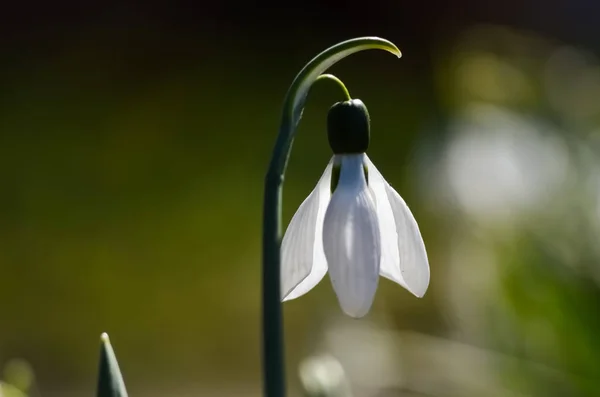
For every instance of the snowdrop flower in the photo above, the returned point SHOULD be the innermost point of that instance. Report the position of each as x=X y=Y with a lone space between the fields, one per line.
x=353 y=224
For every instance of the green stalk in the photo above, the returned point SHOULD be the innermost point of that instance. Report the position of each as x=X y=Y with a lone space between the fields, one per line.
x=293 y=105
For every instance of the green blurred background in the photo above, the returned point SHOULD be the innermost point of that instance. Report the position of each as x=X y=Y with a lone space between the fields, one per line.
x=134 y=138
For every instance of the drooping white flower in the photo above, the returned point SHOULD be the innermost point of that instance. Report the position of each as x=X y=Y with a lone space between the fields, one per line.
x=355 y=225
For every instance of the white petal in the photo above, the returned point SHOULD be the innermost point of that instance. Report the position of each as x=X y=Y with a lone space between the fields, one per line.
x=390 y=258
x=404 y=258
x=351 y=239
x=303 y=262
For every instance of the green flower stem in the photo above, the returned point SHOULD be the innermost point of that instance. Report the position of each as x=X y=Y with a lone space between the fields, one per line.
x=336 y=80
x=273 y=344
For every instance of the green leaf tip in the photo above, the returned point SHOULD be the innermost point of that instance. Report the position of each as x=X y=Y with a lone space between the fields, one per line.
x=110 y=380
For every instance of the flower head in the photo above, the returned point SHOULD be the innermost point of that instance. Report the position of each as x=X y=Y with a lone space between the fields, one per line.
x=353 y=224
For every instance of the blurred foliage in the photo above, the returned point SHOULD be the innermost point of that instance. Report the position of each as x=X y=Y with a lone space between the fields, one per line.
x=528 y=197
x=17 y=379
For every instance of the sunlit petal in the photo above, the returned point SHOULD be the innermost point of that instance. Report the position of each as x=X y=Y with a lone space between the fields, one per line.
x=404 y=258
x=303 y=262
x=414 y=264
x=390 y=258
x=351 y=239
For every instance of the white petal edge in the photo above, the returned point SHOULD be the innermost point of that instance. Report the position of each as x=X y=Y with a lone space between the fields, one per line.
x=351 y=239
x=404 y=257
x=303 y=262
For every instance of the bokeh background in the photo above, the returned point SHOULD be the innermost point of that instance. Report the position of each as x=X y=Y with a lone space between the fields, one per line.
x=134 y=139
